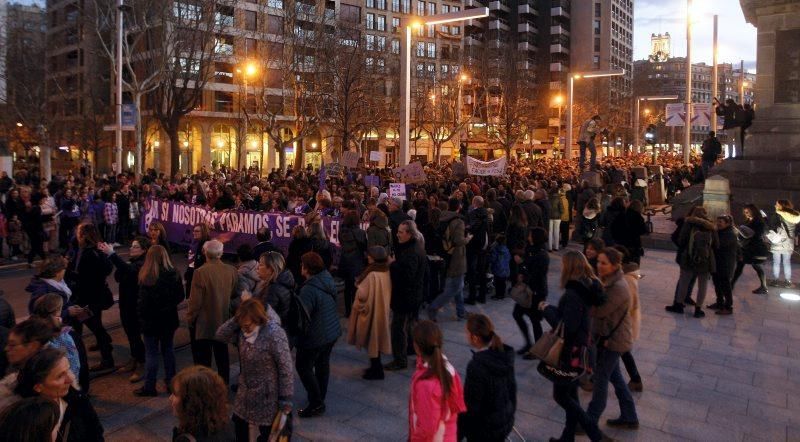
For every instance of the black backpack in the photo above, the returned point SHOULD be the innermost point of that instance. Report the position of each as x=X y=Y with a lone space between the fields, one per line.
x=589 y=228
x=298 y=319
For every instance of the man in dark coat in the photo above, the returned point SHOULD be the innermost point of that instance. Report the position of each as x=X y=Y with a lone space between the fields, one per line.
x=727 y=255
x=396 y=216
x=712 y=149
x=478 y=228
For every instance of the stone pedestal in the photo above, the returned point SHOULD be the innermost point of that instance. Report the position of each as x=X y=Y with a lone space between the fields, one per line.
x=770 y=168
x=717 y=196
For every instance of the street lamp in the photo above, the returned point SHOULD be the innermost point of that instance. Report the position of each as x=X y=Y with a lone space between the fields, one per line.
x=638 y=100
x=558 y=100
x=249 y=69
x=405 y=68
x=571 y=85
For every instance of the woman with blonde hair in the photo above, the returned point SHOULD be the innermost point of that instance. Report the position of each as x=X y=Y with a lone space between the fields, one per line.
x=266 y=381
x=783 y=229
x=369 y=319
x=275 y=285
x=160 y=292
x=582 y=291
x=199 y=400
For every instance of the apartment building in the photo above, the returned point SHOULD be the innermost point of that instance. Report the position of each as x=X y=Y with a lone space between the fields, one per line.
x=3 y=39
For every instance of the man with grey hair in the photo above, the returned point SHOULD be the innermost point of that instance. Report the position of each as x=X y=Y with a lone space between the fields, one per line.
x=214 y=285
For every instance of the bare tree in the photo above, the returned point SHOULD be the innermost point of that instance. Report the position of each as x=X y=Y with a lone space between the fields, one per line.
x=438 y=108
x=511 y=106
x=185 y=44
x=142 y=52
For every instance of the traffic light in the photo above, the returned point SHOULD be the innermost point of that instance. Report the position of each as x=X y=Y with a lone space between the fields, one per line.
x=650 y=135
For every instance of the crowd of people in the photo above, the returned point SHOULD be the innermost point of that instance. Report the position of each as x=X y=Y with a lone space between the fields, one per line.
x=401 y=263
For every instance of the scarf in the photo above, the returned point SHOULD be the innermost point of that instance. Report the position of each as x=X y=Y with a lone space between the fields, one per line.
x=374 y=267
x=61 y=286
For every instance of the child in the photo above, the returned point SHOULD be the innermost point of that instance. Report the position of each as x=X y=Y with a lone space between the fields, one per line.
x=15 y=236
x=500 y=264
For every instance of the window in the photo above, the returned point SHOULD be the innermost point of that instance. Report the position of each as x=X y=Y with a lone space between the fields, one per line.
x=431 y=70
x=223 y=45
x=420 y=8
x=420 y=49
x=395 y=46
x=223 y=101
x=597 y=27
x=395 y=24
x=370 y=20
x=431 y=8
x=445 y=52
x=431 y=31
x=596 y=61
x=381 y=43
x=395 y=5
x=455 y=30
x=405 y=6
x=250 y=46
x=597 y=44
x=381 y=22
x=431 y=50
x=189 y=66
x=370 y=42
x=370 y=3
x=420 y=69
x=275 y=24
x=250 y=20
x=381 y=4
x=224 y=16
x=350 y=14
x=597 y=8
x=223 y=73
x=277 y=4
x=445 y=9
x=186 y=11
x=445 y=68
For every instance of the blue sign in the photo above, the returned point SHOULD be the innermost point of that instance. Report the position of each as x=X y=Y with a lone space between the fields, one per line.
x=128 y=115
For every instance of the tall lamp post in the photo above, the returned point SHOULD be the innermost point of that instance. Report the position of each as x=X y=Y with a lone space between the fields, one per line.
x=405 y=68
x=559 y=102
x=687 y=136
x=248 y=70
x=571 y=85
x=118 y=128
x=636 y=132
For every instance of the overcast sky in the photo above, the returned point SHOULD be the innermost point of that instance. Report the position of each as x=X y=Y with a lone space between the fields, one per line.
x=737 y=39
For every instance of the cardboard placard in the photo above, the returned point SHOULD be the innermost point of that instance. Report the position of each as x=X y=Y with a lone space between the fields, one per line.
x=375 y=156
x=372 y=180
x=397 y=190
x=334 y=170
x=410 y=174
x=349 y=159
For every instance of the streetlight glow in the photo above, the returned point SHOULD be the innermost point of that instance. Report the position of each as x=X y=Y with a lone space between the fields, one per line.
x=558 y=100
x=19 y=124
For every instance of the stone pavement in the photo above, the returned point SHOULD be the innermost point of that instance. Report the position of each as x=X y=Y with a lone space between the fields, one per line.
x=734 y=378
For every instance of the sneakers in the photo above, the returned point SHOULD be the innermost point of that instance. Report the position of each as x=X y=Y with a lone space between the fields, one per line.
x=134 y=378
x=761 y=291
x=619 y=423
x=698 y=313
x=635 y=386
x=772 y=283
x=674 y=308
x=786 y=284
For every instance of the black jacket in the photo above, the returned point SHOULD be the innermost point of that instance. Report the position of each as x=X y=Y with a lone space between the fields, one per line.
x=158 y=304
x=534 y=214
x=395 y=218
x=573 y=311
x=490 y=393
x=628 y=230
x=127 y=275
x=80 y=423
x=755 y=249
x=727 y=255
x=478 y=226
x=711 y=150
x=408 y=277
x=536 y=262
x=86 y=276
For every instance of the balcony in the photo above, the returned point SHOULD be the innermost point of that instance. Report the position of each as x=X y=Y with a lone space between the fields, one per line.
x=472 y=4
x=558 y=30
x=476 y=23
x=555 y=85
x=526 y=27
x=494 y=44
x=499 y=24
x=557 y=67
x=559 y=49
x=559 y=12
x=526 y=46
x=527 y=10
x=498 y=5
x=472 y=41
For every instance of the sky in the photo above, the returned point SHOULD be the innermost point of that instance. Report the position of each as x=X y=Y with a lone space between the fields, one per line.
x=736 y=38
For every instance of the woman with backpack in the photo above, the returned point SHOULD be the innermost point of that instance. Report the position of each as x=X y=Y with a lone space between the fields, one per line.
x=754 y=249
x=697 y=242
x=436 y=396
x=490 y=389
x=353 y=241
x=783 y=227
x=369 y=322
x=582 y=291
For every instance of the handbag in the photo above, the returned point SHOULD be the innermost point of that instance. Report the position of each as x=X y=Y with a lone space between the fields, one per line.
x=774 y=237
x=602 y=341
x=576 y=369
x=548 y=348
x=281 y=430
x=522 y=295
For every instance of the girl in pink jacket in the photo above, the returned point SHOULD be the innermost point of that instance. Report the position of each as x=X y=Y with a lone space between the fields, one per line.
x=436 y=396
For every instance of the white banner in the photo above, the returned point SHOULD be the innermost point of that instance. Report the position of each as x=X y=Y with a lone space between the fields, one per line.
x=349 y=159
x=375 y=155
x=676 y=114
x=701 y=114
x=486 y=168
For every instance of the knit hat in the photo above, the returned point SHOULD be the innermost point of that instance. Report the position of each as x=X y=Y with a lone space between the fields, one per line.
x=378 y=254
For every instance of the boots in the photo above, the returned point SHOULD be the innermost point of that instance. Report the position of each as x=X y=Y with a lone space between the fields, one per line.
x=375 y=370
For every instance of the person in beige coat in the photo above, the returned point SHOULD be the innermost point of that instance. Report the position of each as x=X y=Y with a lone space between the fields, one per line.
x=612 y=328
x=214 y=285
x=632 y=277
x=369 y=320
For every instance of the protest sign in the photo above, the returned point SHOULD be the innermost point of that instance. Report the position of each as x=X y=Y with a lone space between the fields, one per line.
x=372 y=180
x=397 y=190
x=676 y=114
x=350 y=159
x=375 y=155
x=410 y=174
x=334 y=170
x=486 y=168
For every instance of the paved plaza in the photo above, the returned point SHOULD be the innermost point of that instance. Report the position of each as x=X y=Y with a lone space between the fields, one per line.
x=733 y=378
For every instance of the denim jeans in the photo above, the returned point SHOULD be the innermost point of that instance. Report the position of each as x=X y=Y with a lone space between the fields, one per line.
x=592 y=152
x=787 y=265
x=566 y=396
x=453 y=289
x=734 y=135
x=152 y=346
x=607 y=370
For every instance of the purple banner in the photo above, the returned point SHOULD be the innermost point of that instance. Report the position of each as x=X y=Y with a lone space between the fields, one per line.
x=232 y=227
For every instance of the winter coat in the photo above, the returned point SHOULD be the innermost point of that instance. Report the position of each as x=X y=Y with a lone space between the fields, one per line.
x=158 y=304
x=544 y=205
x=754 y=248
x=38 y=287
x=248 y=276
x=516 y=238
x=566 y=214
x=369 y=322
x=80 y=419
x=277 y=294
x=628 y=229
x=786 y=225
x=455 y=241
x=534 y=213
x=408 y=273
x=64 y=342
x=536 y=262
x=606 y=221
x=615 y=309
x=428 y=420
x=632 y=276
x=86 y=275
x=127 y=275
x=318 y=295
x=490 y=394
x=213 y=287
x=557 y=206
x=728 y=253
x=378 y=233
x=266 y=376
x=479 y=229
x=297 y=248
x=395 y=219
x=573 y=311
x=695 y=224
x=500 y=260
x=353 y=242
